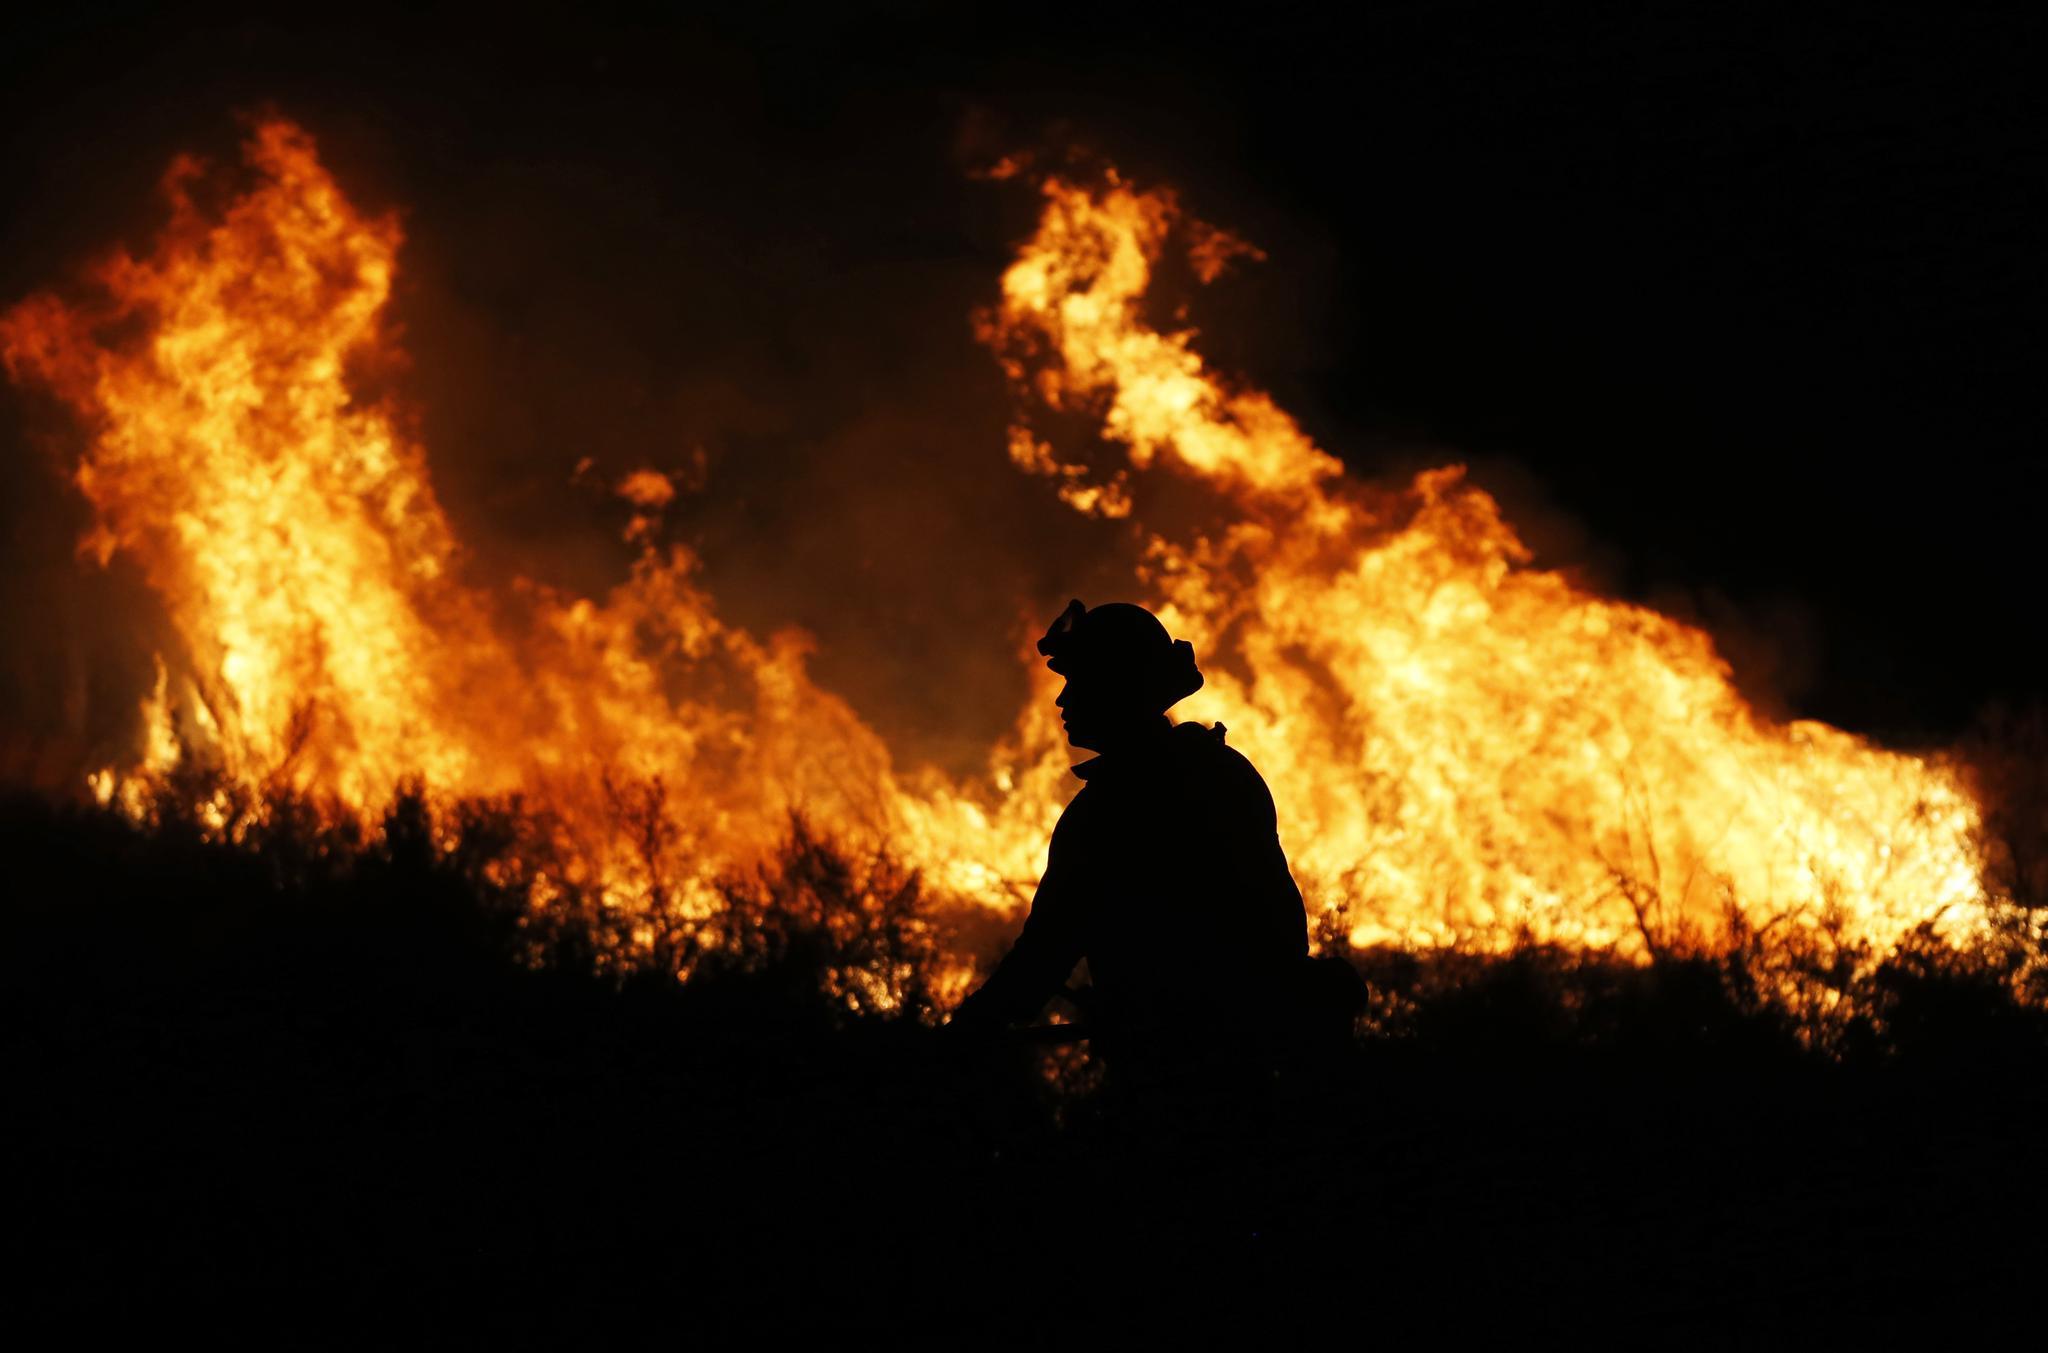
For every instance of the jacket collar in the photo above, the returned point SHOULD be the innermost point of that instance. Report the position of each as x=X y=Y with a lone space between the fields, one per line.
x=1147 y=748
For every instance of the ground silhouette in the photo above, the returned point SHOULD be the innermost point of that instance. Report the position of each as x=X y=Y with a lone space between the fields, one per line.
x=320 y=1086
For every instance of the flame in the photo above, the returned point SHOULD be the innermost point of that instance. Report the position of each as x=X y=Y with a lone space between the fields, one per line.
x=332 y=649
x=1463 y=748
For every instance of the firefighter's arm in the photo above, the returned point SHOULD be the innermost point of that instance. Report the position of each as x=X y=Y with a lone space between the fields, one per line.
x=1263 y=869
x=1045 y=952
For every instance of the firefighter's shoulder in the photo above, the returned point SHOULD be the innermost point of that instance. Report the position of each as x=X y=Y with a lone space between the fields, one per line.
x=1225 y=767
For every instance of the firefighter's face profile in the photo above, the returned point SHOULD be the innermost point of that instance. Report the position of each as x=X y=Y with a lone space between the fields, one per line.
x=1093 y=710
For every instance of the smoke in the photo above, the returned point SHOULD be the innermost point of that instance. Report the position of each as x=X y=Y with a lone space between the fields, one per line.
x=760 y=242
x=806 y=357
x=796 y=337
x=793 y=343
x=691 y=280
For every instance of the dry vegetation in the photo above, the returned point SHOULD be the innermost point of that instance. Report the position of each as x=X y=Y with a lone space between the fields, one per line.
x=314 y=1061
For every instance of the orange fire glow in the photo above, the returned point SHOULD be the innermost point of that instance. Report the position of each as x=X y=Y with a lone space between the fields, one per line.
x=1463 y=747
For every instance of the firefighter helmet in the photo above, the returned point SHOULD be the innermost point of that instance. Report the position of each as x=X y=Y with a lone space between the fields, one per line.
x=1124 y=646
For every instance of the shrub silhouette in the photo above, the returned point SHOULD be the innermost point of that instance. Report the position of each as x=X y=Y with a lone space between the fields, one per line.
x=311 y=1061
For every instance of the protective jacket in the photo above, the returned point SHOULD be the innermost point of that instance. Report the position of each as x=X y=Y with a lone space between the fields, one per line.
x=1166 y=874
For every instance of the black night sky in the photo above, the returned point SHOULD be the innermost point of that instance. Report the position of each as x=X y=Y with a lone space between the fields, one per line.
x=1737 y=306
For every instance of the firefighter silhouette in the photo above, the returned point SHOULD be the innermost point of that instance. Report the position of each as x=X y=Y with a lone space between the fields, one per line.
x=1165 y=874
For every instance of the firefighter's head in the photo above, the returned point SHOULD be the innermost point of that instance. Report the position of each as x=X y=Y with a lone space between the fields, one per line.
x=1123 y=670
